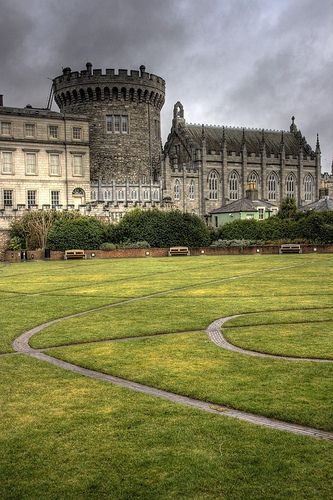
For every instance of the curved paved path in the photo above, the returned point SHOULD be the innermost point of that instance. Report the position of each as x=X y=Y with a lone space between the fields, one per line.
x=21 y=345
x=215 y=334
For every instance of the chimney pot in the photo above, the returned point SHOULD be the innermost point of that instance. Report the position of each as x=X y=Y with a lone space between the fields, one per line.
x=1 y=100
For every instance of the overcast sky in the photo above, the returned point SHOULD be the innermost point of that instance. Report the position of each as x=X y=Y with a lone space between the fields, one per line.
x=251 y=63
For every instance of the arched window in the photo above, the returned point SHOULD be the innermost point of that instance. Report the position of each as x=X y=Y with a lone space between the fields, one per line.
x=90 y=94
x=272 y=187
x=82 y=95
x=253 y=180
x=308 y=187
x=106 y=93
x=98 y=93
x=213 y=185
x=134 y=194
x=290 y=184
x=155 y=195
x=120 y=194
x=191 y=190
x=146 y=195
x=144 y=179
x=233 y=186
x=177 y=189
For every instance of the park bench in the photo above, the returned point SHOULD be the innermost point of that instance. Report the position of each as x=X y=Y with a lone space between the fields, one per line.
x=175 y=251
x=290 y=248
x=74 y=254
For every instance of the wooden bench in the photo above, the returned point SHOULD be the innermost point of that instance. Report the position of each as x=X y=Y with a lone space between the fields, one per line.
x=175 y=251
x=290 y=248
x=74 y=254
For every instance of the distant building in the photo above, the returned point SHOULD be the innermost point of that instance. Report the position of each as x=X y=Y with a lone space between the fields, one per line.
x=248 y=208
x=206 y=167
x=44 y=159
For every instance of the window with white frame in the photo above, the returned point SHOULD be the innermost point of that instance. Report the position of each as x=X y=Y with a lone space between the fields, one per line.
x=55 y=198
x=233 y=186
x=31 y=163
x=77 y=133
x=117 y=124
x=77 y=165
x=146 y=195
x=191 y=190
x=93 y=195
x=308 y=187
x=54 y=160
x=8 y=197
x=124 y=124
x=177 y=189
x=261 y=213
x=272 y=187
x=53 y=131
x=213 y=185
x=290 y=184
x=6 y=128
x=7 y=162
x=30 y=130
x=31 y=197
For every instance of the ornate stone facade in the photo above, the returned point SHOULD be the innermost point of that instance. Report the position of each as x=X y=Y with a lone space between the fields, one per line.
x=206 y=167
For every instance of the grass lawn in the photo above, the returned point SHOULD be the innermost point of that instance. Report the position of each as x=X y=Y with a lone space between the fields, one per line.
x=191 y=364
x=285 y=333
x=66 y=436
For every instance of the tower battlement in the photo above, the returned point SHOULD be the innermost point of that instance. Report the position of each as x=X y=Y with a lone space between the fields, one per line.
x=112 y=85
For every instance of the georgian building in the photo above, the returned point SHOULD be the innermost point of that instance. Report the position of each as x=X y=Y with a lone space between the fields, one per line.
x=206 y=167
x=44 y=160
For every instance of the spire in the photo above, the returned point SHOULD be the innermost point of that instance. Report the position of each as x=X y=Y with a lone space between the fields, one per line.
x=263 y=141
x=243 y=139
x=293 y=127
x=318 y=145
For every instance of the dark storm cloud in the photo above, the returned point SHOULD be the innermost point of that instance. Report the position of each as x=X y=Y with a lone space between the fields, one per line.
x=239 y=62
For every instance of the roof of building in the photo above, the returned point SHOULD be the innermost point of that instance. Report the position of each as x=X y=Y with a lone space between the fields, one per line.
x=31 y=112
x=325 y=204
x=253 y=138
x=244 y=205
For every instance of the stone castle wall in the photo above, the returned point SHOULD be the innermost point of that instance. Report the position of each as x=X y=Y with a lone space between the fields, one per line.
x=138 y=98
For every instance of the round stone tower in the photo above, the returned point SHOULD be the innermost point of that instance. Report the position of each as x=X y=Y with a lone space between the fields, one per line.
x=123 y=109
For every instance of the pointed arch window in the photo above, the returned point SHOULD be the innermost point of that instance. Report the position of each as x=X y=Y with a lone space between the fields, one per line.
x=308 y=187
x=177 y=189
x=290 y=184
x=272 y=187
x=191 y=190
x=233 y=186
x=253 y=180
x=213 y=185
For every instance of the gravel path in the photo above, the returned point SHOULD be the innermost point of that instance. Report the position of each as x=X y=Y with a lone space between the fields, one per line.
x=216 y=335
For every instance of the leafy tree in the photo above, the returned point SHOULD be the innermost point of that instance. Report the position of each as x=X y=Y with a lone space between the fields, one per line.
x=79 y=232
x=288 y=208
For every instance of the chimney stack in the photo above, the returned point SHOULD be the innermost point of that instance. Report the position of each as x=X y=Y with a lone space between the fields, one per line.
x=1 y=100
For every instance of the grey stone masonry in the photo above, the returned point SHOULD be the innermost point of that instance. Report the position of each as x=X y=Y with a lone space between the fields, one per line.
x=123 y=110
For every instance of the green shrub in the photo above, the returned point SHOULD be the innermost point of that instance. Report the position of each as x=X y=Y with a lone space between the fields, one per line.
x=108 y=246
x=79 y=232
x=15 y=243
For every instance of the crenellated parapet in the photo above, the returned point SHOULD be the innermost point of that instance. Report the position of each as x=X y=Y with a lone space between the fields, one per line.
x=75 y=87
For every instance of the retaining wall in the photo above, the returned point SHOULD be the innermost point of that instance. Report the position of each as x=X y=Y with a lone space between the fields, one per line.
x=15 y=256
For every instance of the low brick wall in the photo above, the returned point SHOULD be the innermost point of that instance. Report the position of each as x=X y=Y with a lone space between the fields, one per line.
x=15 y=256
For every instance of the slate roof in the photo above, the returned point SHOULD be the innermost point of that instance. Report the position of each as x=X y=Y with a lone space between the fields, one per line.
x=323 y=205
x=243 y=205
x=253 y=139
x=38 y=113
